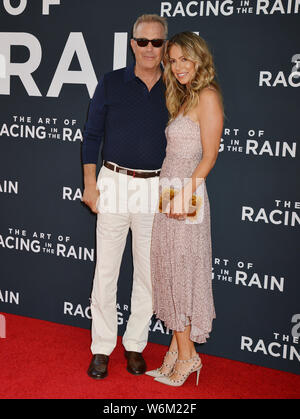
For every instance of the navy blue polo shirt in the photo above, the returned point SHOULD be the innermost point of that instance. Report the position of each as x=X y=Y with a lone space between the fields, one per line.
x=130 y=121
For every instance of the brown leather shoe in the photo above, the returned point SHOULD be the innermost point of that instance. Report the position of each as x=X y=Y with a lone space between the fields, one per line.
x=135 y=362
x=98 y=366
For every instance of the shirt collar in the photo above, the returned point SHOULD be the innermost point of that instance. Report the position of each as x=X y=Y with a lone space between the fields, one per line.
x=130 y=75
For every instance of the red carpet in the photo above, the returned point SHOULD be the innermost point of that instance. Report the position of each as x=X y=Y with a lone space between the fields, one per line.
x=46 y=360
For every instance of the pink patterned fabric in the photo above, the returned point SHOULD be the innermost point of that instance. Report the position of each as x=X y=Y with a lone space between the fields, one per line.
x=181 y=253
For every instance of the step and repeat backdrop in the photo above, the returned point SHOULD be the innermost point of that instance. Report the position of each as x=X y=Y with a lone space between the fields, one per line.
x=52 y=52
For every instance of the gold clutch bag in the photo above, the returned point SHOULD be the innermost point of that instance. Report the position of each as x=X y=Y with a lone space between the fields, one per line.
x=169 y=193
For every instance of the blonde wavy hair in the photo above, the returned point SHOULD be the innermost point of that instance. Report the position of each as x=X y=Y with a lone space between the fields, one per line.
x=195 y=49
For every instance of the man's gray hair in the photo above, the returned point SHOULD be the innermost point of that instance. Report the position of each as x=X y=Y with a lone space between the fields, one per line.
x=148 y=18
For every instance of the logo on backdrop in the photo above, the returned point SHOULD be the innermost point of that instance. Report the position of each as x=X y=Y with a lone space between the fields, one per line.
x=284 y=213
x=228 y=7
x=44 y=243
x=277 y=345
x=41 y=128
x=18 y=9
x=9 y=297
x=9 y=186
x=244 y=273
x=75 y=44
x=84 y=311
x=255 y=142
x=71 y=194
x=281 y=78
x=296 y=328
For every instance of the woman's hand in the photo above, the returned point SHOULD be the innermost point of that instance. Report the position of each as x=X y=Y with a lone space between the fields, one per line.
x=179 y=206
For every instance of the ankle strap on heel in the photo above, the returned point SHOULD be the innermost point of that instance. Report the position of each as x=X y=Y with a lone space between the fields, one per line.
x=195 y=358
x=184 y=361
x=165 y=364
x=172 y=352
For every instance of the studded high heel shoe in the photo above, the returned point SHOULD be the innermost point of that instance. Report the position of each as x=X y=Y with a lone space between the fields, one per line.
x=157 y=372
x=194 y=368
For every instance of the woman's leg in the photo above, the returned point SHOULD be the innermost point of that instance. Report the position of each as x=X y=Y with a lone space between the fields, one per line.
x=186 y=351
x=173 y=345
x=186 y=347
x=170 y=356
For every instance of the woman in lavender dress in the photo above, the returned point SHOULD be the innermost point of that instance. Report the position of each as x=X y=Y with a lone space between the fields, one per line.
x=181 y=252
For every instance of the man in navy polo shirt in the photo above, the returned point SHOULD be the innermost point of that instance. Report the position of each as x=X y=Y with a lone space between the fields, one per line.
x=129 y=115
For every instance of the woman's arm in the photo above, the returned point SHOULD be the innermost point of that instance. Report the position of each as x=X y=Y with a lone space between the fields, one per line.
x=209 y=114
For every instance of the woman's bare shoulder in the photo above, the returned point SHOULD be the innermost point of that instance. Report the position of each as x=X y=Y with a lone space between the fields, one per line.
x=208 y=95
x=209 y=91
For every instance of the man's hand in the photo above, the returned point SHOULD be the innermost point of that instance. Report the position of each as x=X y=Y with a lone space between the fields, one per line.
x=91 y=192
x=90 y=197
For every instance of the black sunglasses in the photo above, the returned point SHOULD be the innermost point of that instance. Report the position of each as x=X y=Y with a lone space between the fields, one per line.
x=143 y=42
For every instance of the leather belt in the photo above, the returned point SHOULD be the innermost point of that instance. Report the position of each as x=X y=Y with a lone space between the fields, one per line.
x=133 y=173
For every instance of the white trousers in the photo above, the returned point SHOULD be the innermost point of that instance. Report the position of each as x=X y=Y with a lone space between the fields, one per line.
x=136 y=201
